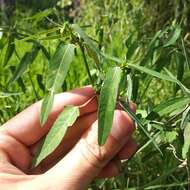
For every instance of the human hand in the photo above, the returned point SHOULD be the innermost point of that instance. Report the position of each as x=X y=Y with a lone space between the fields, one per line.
x=77 y=160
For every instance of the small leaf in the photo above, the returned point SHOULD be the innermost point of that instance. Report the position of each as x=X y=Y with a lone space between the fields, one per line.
x=185 y=54
x=126 y=108
x=46 y=108
x=45 y=52
x=186 y=145
x=40 y=82
x=167 y=107
x=92 y=50
x=107 y=103
x=19 y=80
x=183 y=88
x=152 y=72
x=135 y=86
x=174 y=37
x=168 y=136
x=185 y=118
x=56 y=133
x=59 y=66
x=9 y=52
x=27 y=59
x=129 y=87
x=180 y=63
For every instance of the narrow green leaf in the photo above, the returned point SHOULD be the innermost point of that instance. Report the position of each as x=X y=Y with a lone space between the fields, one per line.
x=180 y=63
x=152 y=72
x=186 y=145
x=167 y=107
x=129 y=87
x=19 y=80
x=39 y=78
x=39 y=15
x=92 y=50
x=9 y=52
x=183 y=88
x=56 y=133
x=107 y=103
x=135 y=86
x=45 y=52
x=175 y=37
x=185 y=118
x=46 y=108
x=59 y=66
x=126 y=108
x=27 y=59
x=36 y=36
x=185 y=54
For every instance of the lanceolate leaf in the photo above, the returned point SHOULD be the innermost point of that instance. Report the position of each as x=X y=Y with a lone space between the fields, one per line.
x=19 y=80
x=185 y=118
x=9 y=51
x=186 y=145
x=174 y=37
x=46 y=107
x=92 y=50
x=126 y=108
x=168 y=107
x=27 y=59
x=152 y=72
x=59 y=66
x=45 y=52
x=56 y=133
x=107 y=103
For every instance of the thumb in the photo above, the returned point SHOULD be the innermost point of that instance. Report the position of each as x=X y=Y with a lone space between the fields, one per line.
x=84 y=162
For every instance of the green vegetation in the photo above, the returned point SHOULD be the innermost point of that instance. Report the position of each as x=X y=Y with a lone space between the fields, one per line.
x=148 y=41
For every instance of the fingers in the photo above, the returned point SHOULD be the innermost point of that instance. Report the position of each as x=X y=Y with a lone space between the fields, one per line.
x=87 y=159
x=113 y=168
x=71 y=137
x=25 y=127
x=128 y=150
x=16 y=152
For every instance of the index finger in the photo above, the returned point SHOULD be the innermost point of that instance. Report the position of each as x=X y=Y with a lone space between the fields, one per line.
x=25 y=127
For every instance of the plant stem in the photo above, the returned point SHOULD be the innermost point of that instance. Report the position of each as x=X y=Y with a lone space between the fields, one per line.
x=86 y=64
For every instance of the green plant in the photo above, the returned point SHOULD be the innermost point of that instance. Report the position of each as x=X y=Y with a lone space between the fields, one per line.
x=141 y=53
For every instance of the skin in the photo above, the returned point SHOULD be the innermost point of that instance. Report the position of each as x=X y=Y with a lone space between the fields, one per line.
x=77 y=161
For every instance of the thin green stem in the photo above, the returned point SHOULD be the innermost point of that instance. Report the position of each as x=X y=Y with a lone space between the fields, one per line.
x=86 y=64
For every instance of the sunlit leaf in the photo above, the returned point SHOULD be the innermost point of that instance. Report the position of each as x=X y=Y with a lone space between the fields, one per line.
x=168 y=106
x=19 y=80
x=27 y=59
x=46 y=107
x=92 y=50
x=56 y=133
x=174 y=37
x=59 y=66
x=10 y=50
x=152 y=72
x=185 y=118
x=186 y=145
x=107 y=103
